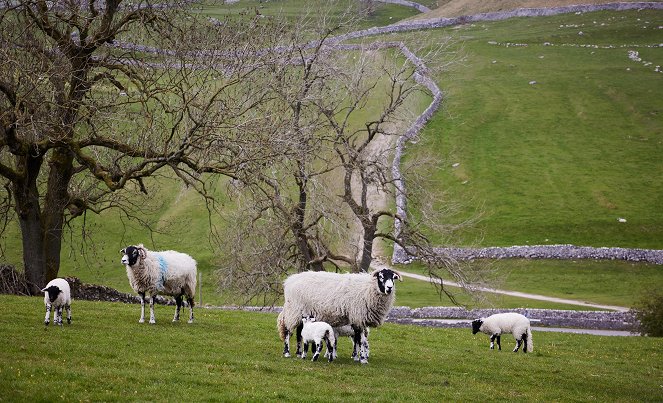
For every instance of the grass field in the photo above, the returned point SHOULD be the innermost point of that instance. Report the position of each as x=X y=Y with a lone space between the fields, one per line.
x=105 y=355
x=562 y=159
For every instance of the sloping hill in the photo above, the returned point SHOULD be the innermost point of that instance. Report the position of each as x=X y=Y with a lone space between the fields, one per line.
x=456 y=8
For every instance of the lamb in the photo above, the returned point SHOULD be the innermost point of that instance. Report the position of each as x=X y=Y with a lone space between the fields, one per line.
x=511 y=322
x=167 y=272
x=317 y=332
x=57 y=294
x=356 y=299
x=348 y=331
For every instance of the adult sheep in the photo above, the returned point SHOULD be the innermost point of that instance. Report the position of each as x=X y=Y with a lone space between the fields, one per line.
x=166 y=272
x=510 y=322
x=57 y=295
x=357 y=299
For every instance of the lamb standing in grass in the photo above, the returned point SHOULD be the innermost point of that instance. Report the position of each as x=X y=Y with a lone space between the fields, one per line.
x=57 y=294
x=510 y=322
x=318 y=332
x=168 y=272
x=357 y=299
x=348 y=331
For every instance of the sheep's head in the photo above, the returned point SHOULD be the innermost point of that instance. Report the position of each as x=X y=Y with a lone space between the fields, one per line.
x=308 y=318
x=386 y=279
x=53 y=292
x=131 y=254
x=476 y=325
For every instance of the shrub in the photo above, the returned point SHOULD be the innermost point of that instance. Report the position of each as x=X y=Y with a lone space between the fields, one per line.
x=649 y=312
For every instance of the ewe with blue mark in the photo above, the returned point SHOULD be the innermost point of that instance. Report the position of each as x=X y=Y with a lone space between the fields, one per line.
x=167 y=272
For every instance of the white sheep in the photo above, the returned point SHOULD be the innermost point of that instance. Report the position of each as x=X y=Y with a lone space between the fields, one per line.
x=317 y=332
x=166 y=272
x=57 y=294
x=510 y=322
x=356 y=299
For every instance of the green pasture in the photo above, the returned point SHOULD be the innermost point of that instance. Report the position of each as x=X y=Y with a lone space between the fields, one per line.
x=105 y=355
x=384 y=14
x=562 y=159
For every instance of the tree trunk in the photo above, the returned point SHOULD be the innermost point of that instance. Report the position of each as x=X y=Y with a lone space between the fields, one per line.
x=41 y=230
x=367 y=247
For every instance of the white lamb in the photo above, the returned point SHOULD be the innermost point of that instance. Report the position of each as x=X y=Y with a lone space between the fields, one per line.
x=356 y=299
x=511 y=322
x=167 y=272
x=57 y=294
x=317 y=332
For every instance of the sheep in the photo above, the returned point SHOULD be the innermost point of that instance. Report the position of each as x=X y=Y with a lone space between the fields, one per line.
x=356 y=299
x=348 y=331
x=166 y=272
x=317 y=332
x=57 y=294
x=509 y=322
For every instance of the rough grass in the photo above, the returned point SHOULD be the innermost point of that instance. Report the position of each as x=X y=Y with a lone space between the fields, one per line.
x=561 y=160
x=105 y=355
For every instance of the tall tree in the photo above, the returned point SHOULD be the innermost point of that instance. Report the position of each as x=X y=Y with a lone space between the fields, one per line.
x=85 y=118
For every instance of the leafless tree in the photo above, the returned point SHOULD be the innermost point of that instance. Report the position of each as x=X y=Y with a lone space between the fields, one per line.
x=86 y=118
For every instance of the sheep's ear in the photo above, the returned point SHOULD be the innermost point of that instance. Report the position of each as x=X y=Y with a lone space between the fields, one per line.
x=43 y=290
x=398 y=275
x=375 y=272
x=123 y=251
x=141 y=252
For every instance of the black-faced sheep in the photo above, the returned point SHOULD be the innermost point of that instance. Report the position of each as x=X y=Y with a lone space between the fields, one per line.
x=510 y=322
x=317 y=332
x=356 y=299
x=57 y=295
x=167 y=272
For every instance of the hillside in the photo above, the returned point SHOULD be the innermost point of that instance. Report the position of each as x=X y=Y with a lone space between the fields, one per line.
x=456 y=8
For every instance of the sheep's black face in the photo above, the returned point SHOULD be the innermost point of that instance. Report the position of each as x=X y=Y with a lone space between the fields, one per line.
x=130 y=255
x=476 y=325
x=386 y=279
x=53 y=292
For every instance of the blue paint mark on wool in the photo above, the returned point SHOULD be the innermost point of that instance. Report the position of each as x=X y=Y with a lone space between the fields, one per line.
x=163 y=270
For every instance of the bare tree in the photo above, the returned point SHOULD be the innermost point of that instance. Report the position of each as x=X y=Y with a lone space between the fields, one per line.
x=86 y=118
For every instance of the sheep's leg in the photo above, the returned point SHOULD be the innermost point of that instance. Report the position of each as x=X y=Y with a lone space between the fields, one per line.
x=524 y=342
x=189 y=300
x=492 y=341
x=178 y=302
x=331 y=348
x=47 y=319
x=356 y=341
x=68 y=307
x=142 y=307
x=499 y=346
x=368 y=349
x=299 y=340
x=58 y=316
x=318 y=350
x=303 y=353
x=363 y=351
x=152 y=320
x=286 y=344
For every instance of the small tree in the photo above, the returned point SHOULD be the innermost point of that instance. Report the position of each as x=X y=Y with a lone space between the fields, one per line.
x=649 y=312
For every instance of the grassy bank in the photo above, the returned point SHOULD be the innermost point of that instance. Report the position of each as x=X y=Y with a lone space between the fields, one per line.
x=105 y=355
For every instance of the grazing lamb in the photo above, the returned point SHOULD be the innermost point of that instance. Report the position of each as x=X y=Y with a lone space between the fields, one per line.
x=317 y=332
x=514 y=323
x=356 y=299
x=168 y=272
x=57 y=294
